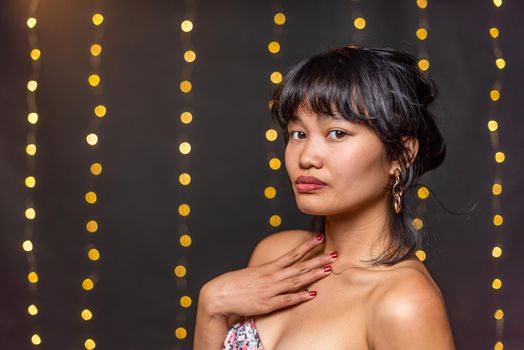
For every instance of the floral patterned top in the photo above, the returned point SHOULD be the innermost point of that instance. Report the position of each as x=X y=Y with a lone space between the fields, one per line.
x=243 y=335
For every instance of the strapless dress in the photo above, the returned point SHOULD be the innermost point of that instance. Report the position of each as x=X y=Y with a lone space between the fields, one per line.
x=243 y=335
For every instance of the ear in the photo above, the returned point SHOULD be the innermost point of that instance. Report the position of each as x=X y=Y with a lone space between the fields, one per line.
x=411 y=145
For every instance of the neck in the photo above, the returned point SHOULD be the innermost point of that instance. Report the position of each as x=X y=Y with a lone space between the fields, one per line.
x=358 y=235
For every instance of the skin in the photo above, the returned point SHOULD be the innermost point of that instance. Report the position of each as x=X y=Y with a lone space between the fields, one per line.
x=396 y=307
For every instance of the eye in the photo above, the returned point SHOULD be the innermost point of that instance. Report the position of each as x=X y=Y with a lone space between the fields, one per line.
x=296 y=134
x=338 y=134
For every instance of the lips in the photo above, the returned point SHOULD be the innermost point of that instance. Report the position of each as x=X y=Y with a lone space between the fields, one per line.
x=309 y=184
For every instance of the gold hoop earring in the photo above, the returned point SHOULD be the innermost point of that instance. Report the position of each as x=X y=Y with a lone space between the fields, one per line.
x=397 y=194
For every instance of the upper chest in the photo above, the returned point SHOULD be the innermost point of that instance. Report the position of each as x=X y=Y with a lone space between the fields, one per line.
x=336 y=318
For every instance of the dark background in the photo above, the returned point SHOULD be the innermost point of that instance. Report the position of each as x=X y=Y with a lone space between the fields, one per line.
x=136 y=300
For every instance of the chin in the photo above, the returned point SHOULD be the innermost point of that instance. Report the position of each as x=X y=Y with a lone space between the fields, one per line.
x=311 y=208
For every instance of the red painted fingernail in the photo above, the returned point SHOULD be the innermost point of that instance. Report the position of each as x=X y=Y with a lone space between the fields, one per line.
x=319 y=237
x=333 y=255
x=327 y=268
x=312 y=293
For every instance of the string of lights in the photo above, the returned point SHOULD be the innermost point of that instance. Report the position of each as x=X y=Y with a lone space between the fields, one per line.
x=275 y=77
x=359 y=22
x=423 y=64
x=30 y=179
x=189 y=57
x=495 y=95
x=99 y=112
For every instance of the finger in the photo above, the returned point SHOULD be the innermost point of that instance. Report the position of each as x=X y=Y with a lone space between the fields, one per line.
x=308 y=265
x=285 y=300
x=298 y=253
x=300 y=281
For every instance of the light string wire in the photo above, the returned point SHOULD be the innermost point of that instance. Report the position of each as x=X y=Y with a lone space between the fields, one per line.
x=274 y=48
x=495 y=94
x=91 y=196
x=188 y=59
x=421 y=34
x=30 y=179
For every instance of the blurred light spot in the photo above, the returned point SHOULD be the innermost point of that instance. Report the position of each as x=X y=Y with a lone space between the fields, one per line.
x=35 y=54
x=494 y=95
x=92 y=139
x=496 y=189
x=92 y=226
x=273 y=47
x=96 y=49
x=421 y=255
x=31 y=22
x=186 y=117
x=418 y=223
x=276 y=77
x=30 y=181
x=88 y=284
x=422 y=4
x=100 y=111
x=94 y=80
x=36 y=340
x=500 y=63
x=184 y=209
x=275 y=220
x=180 y=271
x=498 y=220
x=91 y=197
x=493 y=125
x=98 y=19
x=185 y=301
x=96 y=169
x=181 y=333
x=90 y=344
x=93 y=254
x=500 y=157
x=270 y=192
x=32 y=85
x=186 y=26
x=184 y=179
x=496 y=252
x=423 y=192
x=189 y=56
x=32 y=118
x=185 y=240
x=497 y=283
x=360 y=23
x=279 y=18
x=30 y=213
x=32 y=277
x=86 y=314
x=27 y=245
x=423 y=64
x=32 y=310
x=274 y=163
x=30 y=149
x=494 y=32
x=186 y=86
x=271 y=134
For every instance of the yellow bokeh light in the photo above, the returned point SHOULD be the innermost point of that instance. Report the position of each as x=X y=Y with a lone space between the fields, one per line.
x=91 y=197
x=31 y=22
x=32 y=310
x=92 y=139
x=92 y=226
x=500 y=63
x=498 y=220
x=493 y=125
x=32 y=85
x=421 y=255
x=423 y=192
x=189 y=56
x=184 y=209
x=423 y=64
x=186 y=117
x=496 y=189
x=418 y=223
x=96 y=169
x=88 y=284
x=276 y=77
x=184 y=179
x=270 y=192
x=497 y=283
x=273 y=47
x=95 y=49
x=185 y=147
x=494 y=95
x=185 y=240
x=86 y=314
x=422 y=33
x=500 y=157
x=275 y=220
x=181 y=333
x=185 y=86
x=36 y=340
x=30 y=213
x=422 y=4
x=89 y=344
x=30 y=149
x=274 y=163
x=494 y=32
x=32 y=277
x=271 y=135
x=27 y=245
x=359 y=23
x=496 y=252
x=100 y=111
x=498 y=346
x=180 y=271
x=35 y=54
x=94 y=80
x=497 y=3
x=279 y=18
x=30 y=181
x=186 y=26
x=97 y=19
x=499 y=314
x=185 y=301
x=93 y=254
x=32 y=118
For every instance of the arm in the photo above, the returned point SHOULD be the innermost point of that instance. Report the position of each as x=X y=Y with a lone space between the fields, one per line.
x=412 y=316
x=258 y=289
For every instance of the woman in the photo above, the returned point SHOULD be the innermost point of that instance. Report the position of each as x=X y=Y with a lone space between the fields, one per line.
x=358 y=132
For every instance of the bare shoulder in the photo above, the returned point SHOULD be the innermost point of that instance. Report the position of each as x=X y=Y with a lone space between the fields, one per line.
x=277 y=244
x=409 y=313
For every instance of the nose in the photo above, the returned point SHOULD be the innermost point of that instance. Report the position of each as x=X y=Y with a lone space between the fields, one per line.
x=311 y=155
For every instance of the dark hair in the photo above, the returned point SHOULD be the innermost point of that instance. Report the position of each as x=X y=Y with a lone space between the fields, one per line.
x=384 y=89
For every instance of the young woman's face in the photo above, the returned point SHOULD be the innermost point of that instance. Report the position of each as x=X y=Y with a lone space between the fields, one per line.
x=348 y=158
